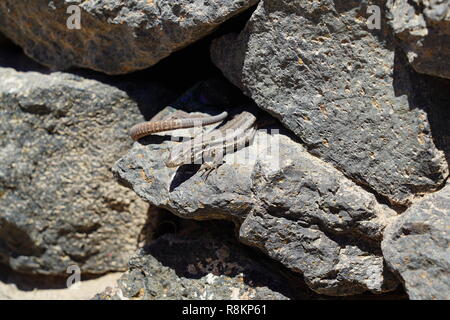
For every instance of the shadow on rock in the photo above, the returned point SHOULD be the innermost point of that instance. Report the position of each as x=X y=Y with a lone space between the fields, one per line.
x=427 y=93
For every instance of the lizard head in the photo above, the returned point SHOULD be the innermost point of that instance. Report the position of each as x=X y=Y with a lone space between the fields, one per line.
x=175 y=158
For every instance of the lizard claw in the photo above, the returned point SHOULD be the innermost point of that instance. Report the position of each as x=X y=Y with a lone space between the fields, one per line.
x=207 y=168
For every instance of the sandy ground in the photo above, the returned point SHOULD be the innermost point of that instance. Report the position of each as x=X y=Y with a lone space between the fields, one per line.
x=86 y=290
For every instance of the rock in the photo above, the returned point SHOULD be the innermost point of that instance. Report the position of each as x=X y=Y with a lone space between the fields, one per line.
x=199 y=266
x=344 y=90
x=59 y=135
x=291 y=205
x=12 y=56
x=423 y=28
x=3 y=39
x=416 y=247
x=115 y=37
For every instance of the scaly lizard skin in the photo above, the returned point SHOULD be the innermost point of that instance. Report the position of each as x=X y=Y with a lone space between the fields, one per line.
x=233 y=135
x=143 y=129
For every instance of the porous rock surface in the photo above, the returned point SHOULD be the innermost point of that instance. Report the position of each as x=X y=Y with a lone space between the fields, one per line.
x=199 y=264
x=59 y=136
x=344 y=90
x=417 y=246
x=370 y=137
x=115 y=37
x=291 y=205
x=423 y=28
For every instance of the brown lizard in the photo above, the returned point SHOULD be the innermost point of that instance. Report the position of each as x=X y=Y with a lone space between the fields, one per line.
x=234 y=135
x=213 y=145
x=143 y=129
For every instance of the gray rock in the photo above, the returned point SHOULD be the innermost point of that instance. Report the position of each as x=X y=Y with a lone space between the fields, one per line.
x=59 y=136
x=416 y=247
x=115 y=37
x=291 y=205
x=344 y=91
x=423 y=28
x=203 y=264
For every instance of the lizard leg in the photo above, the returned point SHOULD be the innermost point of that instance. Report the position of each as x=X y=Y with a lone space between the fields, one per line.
x=209 y=166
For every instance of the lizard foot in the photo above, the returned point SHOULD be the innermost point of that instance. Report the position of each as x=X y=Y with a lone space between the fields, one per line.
x=208 y=167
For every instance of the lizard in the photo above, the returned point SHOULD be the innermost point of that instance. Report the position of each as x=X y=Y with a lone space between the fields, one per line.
x=146 y=128
x=214 y=144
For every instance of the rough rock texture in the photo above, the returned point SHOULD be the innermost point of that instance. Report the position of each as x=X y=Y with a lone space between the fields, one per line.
x=424 y=30
x=59 y=205
x=203 y=264
x=117 y=36
x=342 y=89
x=416 y=247
x=293 y=206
